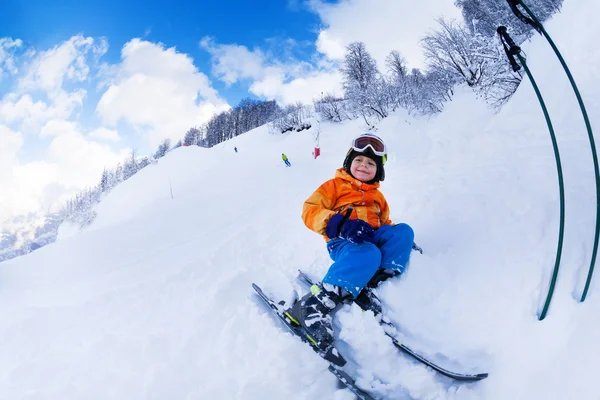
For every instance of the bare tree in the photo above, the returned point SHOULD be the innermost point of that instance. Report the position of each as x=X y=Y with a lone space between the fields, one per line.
x=163 y=148
x=451 y=49
x=398 y=82
x=331 y=108
x=364 y=86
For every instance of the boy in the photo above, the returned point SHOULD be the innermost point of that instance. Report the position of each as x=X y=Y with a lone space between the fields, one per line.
x=353 y=216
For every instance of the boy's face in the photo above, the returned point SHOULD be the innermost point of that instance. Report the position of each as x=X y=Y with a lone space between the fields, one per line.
x=363 y=168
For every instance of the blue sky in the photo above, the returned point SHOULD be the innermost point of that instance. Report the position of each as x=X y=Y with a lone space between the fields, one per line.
x=84 y=82
x=173 y=23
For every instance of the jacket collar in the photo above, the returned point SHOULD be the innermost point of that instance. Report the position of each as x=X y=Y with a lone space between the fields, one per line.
x=343 y=174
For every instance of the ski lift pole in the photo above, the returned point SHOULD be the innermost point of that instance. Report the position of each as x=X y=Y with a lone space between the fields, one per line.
x=537 y=25
x=512 y=50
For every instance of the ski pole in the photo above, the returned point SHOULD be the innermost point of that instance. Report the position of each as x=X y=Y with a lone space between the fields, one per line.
x=537 y=25
x=511 y=50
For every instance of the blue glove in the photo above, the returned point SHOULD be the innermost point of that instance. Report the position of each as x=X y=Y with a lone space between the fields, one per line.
x=357 y=231
x=354 y=230
x=333 y=226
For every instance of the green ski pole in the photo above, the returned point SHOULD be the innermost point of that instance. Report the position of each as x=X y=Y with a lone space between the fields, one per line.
x=510 y=53
x=537 y=25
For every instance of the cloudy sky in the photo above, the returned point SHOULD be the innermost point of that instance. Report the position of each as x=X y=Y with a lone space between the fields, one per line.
x=83 y=82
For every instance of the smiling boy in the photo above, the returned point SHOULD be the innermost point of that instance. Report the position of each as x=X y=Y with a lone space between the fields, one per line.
x=353 y=217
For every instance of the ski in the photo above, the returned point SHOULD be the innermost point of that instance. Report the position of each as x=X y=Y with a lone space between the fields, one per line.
x=406 y=350
x=334 y=366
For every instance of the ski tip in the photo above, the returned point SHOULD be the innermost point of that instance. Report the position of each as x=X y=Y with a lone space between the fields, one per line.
x=473 y=378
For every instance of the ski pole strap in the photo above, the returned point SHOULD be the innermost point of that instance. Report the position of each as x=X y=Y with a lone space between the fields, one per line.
x=513 y=6
x=514 y=49
x=415 y=247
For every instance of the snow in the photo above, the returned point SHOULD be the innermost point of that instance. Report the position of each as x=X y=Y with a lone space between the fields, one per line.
x=154 y=299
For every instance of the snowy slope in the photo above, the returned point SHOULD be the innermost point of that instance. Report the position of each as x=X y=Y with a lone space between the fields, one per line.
x=153 y=300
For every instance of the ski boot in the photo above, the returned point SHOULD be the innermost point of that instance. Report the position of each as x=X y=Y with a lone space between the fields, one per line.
x=382 y=274
x=368 y=301
x=313 y=313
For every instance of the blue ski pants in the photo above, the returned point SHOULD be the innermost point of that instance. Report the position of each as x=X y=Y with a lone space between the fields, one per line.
x=355 y=264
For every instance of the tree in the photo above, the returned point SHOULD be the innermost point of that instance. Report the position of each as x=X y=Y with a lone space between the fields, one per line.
x=360 y=69
x=363 y=85
x=104 y=181
x=192 y=136
x=247 y=115
x=163 y=148
x=451 y=49
x=130 y=167
x=484 y=16
x=396 y=65
x=398 y=81
x=331 y=108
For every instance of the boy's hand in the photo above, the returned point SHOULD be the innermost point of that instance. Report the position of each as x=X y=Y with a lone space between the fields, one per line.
x=357 y=231
x=354 y=230
x=333 y=226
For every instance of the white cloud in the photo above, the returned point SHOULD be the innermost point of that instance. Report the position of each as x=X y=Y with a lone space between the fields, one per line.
x=383 y=25
x=20 y=188
x=10 y=144
x=67 y=61
x=30 y=115
x=70 y=164
x=58 y=127
x=105 y=134
x=79 y=159
x=232 y=63
x=287 y=83
x=41 y=106
x=333 y=47
x=159 y=92
x=304 y=89
x=7 y=58
x=41 y=95
x=14 y=108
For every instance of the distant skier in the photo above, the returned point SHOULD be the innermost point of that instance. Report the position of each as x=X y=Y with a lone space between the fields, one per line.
x=353 y=216
x=235 y=148
x=285 y=160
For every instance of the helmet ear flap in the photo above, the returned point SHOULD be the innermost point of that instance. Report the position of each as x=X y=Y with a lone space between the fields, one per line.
x=348 y=160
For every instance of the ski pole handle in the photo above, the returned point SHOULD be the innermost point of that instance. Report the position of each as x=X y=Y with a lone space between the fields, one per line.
x=514 y=49
x=417 y=248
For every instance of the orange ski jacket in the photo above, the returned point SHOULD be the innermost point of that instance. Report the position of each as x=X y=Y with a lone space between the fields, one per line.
x=335 y=195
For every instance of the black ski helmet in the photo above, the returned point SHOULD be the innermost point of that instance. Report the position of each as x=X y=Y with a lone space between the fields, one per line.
x=366 y=144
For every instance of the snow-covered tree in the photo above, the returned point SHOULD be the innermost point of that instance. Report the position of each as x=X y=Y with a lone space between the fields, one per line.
x=163 y=148
x=104 y=181
x=364 y=86
x=331 y=108
x=130 y=167
x=192 y=137
x=484 y=16
x=457 y=55
x=451 y=48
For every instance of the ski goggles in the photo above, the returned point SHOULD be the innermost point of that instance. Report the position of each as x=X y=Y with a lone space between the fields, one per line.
x=361 y=143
